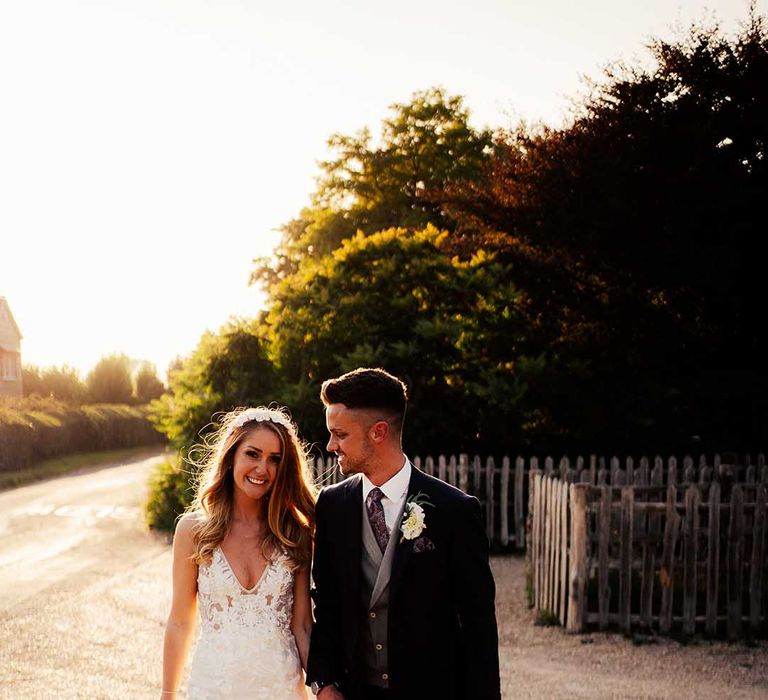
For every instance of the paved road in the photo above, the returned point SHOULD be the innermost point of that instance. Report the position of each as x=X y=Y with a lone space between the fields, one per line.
x=61 y=534
x=69 y=548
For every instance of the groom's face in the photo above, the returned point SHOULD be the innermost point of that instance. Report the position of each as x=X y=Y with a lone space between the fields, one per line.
x=349 y=438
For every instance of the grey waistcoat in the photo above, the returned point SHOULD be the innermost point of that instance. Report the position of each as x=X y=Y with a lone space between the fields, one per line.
x=376 y=568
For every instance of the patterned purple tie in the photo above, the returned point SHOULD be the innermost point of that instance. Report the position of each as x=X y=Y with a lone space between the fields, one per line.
x=376 y=517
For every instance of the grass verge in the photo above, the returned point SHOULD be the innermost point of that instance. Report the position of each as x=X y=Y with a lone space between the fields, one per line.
x=63 y=465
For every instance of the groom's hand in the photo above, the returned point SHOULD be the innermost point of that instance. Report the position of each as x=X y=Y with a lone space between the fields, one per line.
x=330 y=692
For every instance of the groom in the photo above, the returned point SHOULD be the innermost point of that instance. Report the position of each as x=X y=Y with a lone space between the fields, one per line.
x=404 y=596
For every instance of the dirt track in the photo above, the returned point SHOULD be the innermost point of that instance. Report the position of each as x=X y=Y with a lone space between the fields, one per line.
x=94 y=629
x=545 y=662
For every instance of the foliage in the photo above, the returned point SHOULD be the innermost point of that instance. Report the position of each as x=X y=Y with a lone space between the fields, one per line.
x=635 y=235
x=35 y=429
x=546 y=618
x=169 y=496
x=110 y=380
x=227 y=370
x=62 y=383
x=451 y=329
x=148 y=385
x=368 y=187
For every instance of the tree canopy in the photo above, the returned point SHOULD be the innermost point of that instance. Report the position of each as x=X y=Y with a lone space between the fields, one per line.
x=635 y=232
x=110 y=380
x=371 y=186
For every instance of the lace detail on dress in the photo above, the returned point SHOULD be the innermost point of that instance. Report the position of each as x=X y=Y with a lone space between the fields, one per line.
x=246 y=648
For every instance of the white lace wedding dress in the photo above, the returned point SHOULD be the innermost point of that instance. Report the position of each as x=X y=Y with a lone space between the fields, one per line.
x=246 y=648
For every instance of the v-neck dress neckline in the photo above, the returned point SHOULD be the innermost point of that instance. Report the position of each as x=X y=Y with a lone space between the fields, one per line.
x=229 y=566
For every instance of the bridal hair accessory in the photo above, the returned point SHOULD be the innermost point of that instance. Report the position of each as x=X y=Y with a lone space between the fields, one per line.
x=261 y=415
x=414 y=518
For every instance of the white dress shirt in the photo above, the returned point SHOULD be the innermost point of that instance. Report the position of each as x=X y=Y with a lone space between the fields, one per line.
x=394 y=492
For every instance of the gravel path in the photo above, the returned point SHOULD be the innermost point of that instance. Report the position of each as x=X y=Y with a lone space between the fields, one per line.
x=545 y=662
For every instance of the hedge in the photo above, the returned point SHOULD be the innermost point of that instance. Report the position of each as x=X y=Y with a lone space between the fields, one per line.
x=35 y=429
x=170 y=492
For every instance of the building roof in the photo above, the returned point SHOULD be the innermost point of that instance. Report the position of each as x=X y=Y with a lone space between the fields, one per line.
x=4 y=306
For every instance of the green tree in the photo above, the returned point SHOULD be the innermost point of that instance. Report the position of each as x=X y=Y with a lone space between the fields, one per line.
x=110 y=380
x=373 y=185
x=148 y=385
x=635 y=234
x=227 y=369
x=452 y=329
x=32 y=380
x=63 y=383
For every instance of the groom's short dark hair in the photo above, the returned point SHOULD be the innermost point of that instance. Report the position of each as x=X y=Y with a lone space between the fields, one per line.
x=368 y=388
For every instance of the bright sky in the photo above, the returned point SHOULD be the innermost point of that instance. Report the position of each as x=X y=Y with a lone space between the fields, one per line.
x=150 y=148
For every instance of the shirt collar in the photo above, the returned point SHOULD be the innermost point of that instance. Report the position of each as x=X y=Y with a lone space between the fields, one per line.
x=395 y=488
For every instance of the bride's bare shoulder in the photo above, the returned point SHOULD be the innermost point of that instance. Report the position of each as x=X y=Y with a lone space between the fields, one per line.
x=189 y=522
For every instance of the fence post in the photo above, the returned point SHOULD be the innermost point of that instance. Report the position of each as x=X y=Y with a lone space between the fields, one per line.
x=577 y=594
x=758 y=559
x=539 y=515
x=657 y=473
x=735 y=574
x=477 y=469
x=452 y=470
x=504 y=498
x=533 y=534
x=625 y=572
x=563 y=549
x=667 y=572
x=652 y=528
x=490 y=525
x=713 y=557
x=630 y=469
x=603 y=562
x=644 y=471
x=518 y=511
x=547 y=563
x=442 y=468
x=615 y=469
x=691 y=544
x=672 y=471
x=463 y=472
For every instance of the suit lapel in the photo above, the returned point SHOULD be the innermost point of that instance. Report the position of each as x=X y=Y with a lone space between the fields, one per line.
x=403 y=547
x=385 y=568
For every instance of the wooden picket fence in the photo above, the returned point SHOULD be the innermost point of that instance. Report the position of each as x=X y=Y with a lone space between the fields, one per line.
x=639 y=550
x=502 y=484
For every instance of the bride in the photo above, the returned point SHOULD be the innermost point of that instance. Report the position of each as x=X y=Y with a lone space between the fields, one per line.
x=241 y=556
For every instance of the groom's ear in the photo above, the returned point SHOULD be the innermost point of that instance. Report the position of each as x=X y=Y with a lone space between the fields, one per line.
x=379 y=431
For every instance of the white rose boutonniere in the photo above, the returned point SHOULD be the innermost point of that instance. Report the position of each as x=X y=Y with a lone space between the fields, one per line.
x=413 y=523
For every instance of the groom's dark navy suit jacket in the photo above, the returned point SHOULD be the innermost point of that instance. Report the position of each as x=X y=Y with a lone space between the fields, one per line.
x=442 y=637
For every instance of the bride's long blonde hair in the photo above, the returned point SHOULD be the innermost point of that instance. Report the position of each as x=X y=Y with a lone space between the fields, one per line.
x=291 y=500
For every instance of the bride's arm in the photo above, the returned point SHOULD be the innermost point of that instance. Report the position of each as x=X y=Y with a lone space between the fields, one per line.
x=301 y=622
x=180 y=625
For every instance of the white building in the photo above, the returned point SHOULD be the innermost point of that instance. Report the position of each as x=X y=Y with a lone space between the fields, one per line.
x=10 y=352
